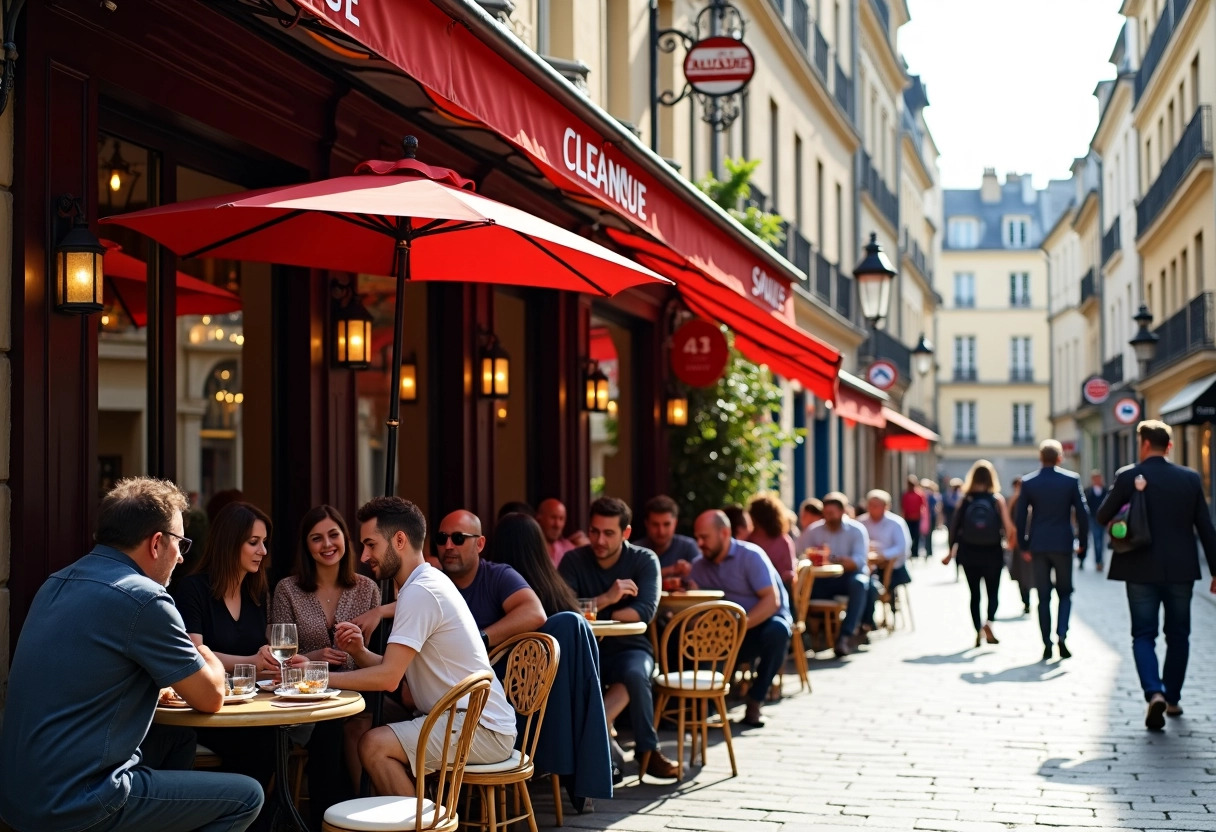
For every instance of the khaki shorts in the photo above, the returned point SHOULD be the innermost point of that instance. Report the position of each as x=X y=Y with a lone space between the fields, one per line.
x=488 y=746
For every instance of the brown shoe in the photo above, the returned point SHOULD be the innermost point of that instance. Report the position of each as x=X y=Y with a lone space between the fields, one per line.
x=661 y=767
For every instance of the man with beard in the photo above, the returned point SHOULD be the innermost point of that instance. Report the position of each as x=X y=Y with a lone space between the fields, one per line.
x=676 y=552
x=624 y=581
x=434 y=645
x=746 y=577
x=848 y=544
x=500 y=599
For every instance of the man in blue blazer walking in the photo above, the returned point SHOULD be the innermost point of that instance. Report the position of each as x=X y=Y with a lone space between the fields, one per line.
x=1163 y=573
x=1051 y=519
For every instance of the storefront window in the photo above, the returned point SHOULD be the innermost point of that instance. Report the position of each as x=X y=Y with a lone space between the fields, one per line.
x=612 y=432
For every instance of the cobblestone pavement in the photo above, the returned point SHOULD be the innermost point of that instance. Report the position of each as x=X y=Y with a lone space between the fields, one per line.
x=921 y=731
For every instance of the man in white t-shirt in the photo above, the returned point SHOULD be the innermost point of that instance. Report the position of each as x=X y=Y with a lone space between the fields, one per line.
x=434 y=645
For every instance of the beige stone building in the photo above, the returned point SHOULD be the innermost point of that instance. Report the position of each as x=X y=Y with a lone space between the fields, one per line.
x=993 y=336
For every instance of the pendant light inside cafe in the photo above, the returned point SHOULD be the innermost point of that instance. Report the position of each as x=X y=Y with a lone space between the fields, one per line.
x=595 y=398
x=78 y=262
x=495 y=370
x=677 y=408
x=408 y=393
x=352 y=329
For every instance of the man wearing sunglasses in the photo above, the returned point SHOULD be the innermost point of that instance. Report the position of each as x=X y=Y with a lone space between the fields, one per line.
x=500 y=599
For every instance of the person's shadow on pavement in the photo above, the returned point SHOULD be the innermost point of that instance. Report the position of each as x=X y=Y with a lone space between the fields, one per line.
x=961 y=657
x=1037 y=672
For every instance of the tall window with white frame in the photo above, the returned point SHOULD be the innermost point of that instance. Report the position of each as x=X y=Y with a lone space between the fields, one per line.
x=1023 y=423
x=1016 y=232
x=964 y=423
x=964 y=290
x=964 y=358
x=1020 y=368
x=1019 y=289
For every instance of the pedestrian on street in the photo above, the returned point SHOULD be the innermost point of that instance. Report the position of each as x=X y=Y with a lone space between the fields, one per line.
x=1162 y=574
x=911 y=506
x=1093 y=498
x=975 y=539
x=1051 y=515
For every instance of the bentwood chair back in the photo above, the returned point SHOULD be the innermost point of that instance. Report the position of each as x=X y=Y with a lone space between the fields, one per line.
x=708 y=638
x=456 y=716
x=531 y=668
x=804 y=580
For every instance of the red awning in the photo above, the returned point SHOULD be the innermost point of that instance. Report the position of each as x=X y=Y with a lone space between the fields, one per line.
x=858 y=407
x=763 y=336
x=905 y=434
x=478 y=81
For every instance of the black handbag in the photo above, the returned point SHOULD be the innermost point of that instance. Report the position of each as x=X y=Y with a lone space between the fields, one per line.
x=1133 y=518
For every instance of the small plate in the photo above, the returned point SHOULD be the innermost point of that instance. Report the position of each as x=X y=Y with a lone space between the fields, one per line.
x=292 y=693
x=174 y=705
x=267 y=684
x=239 y=697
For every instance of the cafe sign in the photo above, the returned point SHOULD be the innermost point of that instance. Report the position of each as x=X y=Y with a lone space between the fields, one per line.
x=719 y=66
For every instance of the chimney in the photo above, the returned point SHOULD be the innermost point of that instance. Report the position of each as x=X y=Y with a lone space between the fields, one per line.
x=1029 y=194
x=990 y=188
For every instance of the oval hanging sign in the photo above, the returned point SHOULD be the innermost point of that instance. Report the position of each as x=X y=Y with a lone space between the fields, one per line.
x=719 y=66
x=1096 y=390
x=699 y=353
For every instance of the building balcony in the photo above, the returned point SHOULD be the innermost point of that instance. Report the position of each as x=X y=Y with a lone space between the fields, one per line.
x=798 y=250
x=1112 y=370
x=871 y=183
x=756 y=199
x=1187 y=331
x=965 y=374
x=832 y=287
x=965 y=439
x=843 y=90
x=1195 y=144
x=1159 y=42
x=911 y=249
x=821 y=53
x=843 y=301
x=799 y=22
x=1023 y=439
x=885 y=345
x=1112 y=241
x=1021 y=374
x=1089 y=286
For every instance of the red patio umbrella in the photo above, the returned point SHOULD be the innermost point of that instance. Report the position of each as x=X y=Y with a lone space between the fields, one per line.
x=405 y=219
x=128 y=277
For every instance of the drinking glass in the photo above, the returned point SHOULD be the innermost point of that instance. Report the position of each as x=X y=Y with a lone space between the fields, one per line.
x=244 y=678
x=292 y=676
x=283 y=644
x=587 y=607
x=316 y=677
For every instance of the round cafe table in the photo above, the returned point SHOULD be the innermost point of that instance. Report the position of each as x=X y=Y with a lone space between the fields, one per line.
x=828 y=570
x=262 y=711
x=602 y=629
x=683 y=598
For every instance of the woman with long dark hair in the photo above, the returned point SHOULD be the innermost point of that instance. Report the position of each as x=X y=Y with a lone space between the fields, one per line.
x=975 y=539
x=519 y=543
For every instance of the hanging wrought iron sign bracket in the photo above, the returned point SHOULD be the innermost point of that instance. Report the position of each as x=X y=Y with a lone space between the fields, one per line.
x=717 y=63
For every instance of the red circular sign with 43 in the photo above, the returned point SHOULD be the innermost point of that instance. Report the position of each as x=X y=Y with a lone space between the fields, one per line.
x=699 y=353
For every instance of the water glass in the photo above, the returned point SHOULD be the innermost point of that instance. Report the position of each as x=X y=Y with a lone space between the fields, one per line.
x=244 y=679
x=292 y=676
x=316 y=677
x=587 y=607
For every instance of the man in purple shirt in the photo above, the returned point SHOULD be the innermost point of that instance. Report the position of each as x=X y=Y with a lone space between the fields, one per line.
x=744 y=574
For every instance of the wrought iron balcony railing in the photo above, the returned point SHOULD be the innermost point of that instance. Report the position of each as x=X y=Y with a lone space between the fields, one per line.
x=843 y=90
x=1089 y=286
x=1188 y=330
x=1195 y=144
x=1112 y=241
x=1157 y=44
x=965 y=374
x=871 y=183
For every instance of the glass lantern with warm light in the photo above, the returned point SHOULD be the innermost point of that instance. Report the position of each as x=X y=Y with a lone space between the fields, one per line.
x=495 y=371
x=78 y=271
x=409 y=382
x=596 y=393
x=874 y=275
x=677 y=409
x=352 y=337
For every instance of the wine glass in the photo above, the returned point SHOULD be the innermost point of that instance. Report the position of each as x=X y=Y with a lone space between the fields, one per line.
x=283 y=643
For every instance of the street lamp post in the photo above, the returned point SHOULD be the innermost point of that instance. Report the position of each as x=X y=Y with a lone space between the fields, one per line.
x=874 y=275
x=1144 y=343
x=922 y=356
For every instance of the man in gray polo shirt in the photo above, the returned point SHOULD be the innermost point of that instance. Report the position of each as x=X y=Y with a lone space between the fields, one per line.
x=848 y=544
x=101 y=640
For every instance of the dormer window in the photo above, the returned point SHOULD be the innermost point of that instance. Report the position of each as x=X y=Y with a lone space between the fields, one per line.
x=963 y=232
x=1015 y=231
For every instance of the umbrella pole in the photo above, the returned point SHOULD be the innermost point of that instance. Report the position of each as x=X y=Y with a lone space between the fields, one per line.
x=394 y=393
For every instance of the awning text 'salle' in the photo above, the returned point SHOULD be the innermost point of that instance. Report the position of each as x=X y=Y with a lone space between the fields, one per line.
x=610 y=178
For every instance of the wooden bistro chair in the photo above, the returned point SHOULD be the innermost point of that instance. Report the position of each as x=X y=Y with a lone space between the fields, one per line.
x=804 y=580
x=442 y=777
x=531 y=667
x=708 y=636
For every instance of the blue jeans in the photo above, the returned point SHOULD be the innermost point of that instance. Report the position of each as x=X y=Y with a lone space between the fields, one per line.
x=1043 y=564
x=857 y=587
x=768 y=642
x=167 y=801
x=633 y=669
x=1098 y=534
x=1144 y=602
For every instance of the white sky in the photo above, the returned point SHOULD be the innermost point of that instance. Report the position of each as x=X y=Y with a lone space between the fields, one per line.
x=1010 y=82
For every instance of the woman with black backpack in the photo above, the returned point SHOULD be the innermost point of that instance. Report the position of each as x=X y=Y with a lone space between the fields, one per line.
x=975 y=539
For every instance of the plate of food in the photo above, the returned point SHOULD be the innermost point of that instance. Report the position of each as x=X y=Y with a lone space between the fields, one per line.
x=170 y=699
x=233 y=698
x=268 y=684
x=294 y=693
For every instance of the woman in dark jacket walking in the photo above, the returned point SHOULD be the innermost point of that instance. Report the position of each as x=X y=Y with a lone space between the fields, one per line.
x=975 y=539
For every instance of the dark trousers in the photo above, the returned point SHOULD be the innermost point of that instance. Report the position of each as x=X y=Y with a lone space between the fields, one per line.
x=983 y=569
x=765 y=646
x=633 y=669
x=1044 y=563
x=914 y=531
x=1145 y=602
x=857 y=587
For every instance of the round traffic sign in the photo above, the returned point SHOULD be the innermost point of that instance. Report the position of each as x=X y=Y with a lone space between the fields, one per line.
x=719 y=66
x=1127 y=410
x=699 y=353
x=1096 y=390
x=882 y=374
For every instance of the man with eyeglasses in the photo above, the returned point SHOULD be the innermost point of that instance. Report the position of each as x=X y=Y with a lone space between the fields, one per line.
x=500 y=599
x=76 y=748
